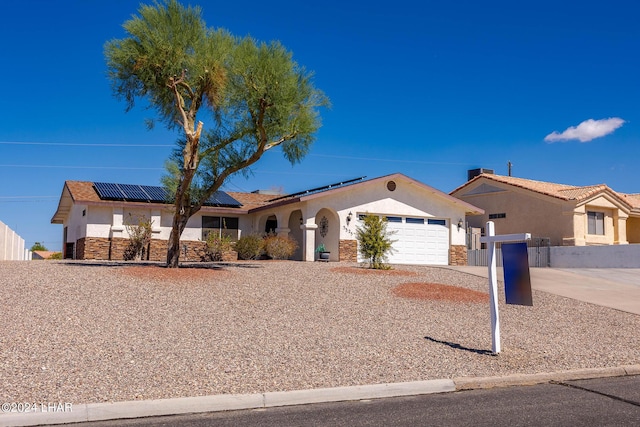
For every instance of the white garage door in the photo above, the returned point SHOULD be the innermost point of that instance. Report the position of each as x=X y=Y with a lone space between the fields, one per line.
x=419 y=241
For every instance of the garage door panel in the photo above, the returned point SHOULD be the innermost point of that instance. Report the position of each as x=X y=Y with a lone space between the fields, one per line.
x=418 y=243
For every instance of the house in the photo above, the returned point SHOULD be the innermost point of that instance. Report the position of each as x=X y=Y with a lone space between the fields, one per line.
x=40 y=255
x=428 y=224
x=568 y=215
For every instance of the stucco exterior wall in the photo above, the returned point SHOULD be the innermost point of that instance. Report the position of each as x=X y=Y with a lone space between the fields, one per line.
x=524 y=214
x=633 y=230
x=97 y=222
x=406 y=200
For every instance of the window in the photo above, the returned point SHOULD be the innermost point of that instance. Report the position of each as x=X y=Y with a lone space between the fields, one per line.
x=222 y=226
x=437 y=222
x=498 y=215
x=595 y=223
x=415 y=220
x=394 y=219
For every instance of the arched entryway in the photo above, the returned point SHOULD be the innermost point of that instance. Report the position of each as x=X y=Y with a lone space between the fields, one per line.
x=328 y=232
x=295 y=232
x=271 y=224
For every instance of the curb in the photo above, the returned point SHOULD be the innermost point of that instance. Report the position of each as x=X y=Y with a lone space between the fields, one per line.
x=230 y=402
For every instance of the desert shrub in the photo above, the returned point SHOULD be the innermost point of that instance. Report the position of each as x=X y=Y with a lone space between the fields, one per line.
x=250 y=246
x=218 y=245
x=139 y=229
x=279 y=247
x=374 y=242
x=56 y=255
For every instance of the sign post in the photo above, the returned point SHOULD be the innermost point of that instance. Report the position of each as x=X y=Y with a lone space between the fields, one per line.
x=491 y=239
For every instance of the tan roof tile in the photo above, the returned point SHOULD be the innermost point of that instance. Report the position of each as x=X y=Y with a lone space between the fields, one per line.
x=632 y=199
x=251 y=200
x=560 y=191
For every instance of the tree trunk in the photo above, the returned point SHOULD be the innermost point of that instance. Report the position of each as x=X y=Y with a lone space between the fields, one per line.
x=173 y=251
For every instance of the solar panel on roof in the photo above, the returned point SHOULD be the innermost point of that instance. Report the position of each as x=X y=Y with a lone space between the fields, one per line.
x=220 y=198
x=133 y=192
x=156 y=194
x=108 y=191
x=153 y=194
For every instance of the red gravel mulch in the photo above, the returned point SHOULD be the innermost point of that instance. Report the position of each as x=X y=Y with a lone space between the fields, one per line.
x=435 y=291
x=362 y=270
x=161 y=273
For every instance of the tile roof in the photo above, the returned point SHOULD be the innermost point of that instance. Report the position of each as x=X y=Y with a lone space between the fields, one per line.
x=562 y=191
x=632 y=199
x=251 y=200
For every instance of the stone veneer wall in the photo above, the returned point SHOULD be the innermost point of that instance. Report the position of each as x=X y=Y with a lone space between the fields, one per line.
x=348 y=250
x=113 y=249
x=458 y=255
x=79 y=250
x=93 y=248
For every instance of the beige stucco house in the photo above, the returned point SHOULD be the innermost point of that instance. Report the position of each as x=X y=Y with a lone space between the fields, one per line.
x=428 y=224
x=567 y=214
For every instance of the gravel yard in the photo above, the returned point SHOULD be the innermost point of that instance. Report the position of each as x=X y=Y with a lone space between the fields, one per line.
x=95 y=332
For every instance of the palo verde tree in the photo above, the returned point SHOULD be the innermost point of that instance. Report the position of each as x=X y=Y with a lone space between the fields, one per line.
x=253 y=96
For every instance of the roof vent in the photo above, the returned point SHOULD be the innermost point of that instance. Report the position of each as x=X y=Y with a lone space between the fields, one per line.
x=472 y=173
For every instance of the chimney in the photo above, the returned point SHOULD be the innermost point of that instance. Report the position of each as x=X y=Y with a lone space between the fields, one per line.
x=472 y=173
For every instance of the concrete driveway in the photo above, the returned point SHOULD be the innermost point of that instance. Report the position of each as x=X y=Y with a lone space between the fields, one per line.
x=617 y=288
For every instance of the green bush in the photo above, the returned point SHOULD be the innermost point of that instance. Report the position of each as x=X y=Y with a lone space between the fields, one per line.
x=218 y=245
x=250 y=246
x=56 y=255
x=374 y=241
x=278 y=247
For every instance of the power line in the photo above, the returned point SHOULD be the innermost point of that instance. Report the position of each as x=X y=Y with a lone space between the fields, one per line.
x=79 y=167
x=73 y=144
x=26 y=197
x=387 y=160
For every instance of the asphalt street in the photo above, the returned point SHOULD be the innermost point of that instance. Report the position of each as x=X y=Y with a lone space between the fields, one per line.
x=603 y=402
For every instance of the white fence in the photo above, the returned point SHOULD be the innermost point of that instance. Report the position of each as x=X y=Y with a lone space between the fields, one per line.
x=609 y=256
x=11 y=245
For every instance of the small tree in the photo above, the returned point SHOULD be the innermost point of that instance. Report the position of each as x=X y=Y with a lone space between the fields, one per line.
x=374 y=241
x=139 y=229
x=37 y=246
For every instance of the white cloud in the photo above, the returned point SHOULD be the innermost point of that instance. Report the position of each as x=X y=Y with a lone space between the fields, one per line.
x=587 y=130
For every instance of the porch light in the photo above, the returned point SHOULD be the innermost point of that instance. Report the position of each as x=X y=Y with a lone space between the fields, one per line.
x=460 y=224
x=349 y=216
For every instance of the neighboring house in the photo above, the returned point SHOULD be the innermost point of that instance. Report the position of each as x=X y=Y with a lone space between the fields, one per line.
x=567 y=214
x=428 y=224
x=40 y=255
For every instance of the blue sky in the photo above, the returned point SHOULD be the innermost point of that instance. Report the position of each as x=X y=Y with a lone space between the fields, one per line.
x=426 y=88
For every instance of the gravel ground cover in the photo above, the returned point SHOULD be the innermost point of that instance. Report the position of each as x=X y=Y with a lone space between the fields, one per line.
x=85 y=332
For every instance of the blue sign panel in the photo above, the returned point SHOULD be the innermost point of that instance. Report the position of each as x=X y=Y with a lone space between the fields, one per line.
x=517 y=282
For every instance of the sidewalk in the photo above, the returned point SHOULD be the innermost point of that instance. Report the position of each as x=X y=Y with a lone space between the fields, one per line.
x=617 y=288
x=231 y=402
